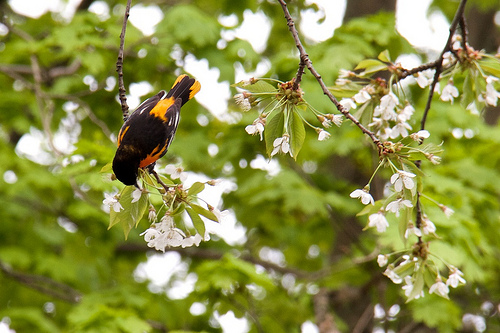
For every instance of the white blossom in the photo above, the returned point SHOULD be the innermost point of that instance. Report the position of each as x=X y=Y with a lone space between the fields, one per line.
x=336 y=118
x=405 y=114
x=382 y=260
x=455 y=278
x=111 y=200
x=433 y=158
x=420 y=135
x=329 y=118
x=439 y=288
x=425 y=78
x=412 y=230
x=403 y=178
x=344 y=73
x=281 y=145
x=256 y=127
x=396 y=205
x=449 y=92
x=243 y=102
x=347 y=103
x=379 y=221
x=492 y=95
x=400 y=129
x=136 y=195
x=362 y=96
x=323 y=135
x=363 y=195
x=446 y=210
x=428 y=226
x=472 y=107
x=386 y=108
x=393 y=276
x=152 y=214
x=175 y=172
x=192 y=240
x=448 y=59
x=408 y=288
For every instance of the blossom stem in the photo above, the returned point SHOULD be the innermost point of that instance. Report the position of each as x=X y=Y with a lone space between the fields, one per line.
x=375 y=172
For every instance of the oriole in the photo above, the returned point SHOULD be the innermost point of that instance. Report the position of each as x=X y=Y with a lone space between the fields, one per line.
x=147 y=133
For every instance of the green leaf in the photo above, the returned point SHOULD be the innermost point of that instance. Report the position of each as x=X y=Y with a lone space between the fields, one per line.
x=405 y=216
x=196 y=188
x=371 y=209
x=491 y=66
x=131 y=213
x=197 y=221
x=418 y=284
x=274 y=129
x=371 y=66
x=107 y=168
x=258 y=86
x=384 y=56
x=204 y=212
x=297 y=132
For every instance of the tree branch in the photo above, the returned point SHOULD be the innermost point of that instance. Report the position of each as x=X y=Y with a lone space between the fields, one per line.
x=459 y=16
x=324 y=319
x=305 y=61
x=202 y=253
x=43 y=284
x=122 y=92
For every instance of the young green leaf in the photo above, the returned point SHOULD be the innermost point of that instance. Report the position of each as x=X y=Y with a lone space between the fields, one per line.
x=107 y=168
x=297 y=132
x=260 y=86
x=131 y=213
x=418 y=284
x=384 y=56
x=196 y=188
x=204 y=212
x=197 y=221
x=274 y=129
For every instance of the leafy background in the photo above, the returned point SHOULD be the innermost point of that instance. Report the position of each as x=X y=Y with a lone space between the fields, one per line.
x=304 y=256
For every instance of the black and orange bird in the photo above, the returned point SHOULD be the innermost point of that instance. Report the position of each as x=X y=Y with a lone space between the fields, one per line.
x=149 y=130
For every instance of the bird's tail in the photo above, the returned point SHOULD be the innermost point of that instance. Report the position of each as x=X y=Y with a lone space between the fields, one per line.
x=185 y=88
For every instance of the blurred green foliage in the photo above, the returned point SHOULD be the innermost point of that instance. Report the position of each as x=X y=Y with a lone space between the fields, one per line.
x=63 y=271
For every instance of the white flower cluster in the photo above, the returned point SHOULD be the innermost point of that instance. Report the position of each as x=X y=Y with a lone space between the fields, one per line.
x=165 y=234
x=412 y=264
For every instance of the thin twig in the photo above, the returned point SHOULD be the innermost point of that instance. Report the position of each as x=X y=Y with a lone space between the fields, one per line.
x=304 y=60
x=457 y=20
x=46 y=108
x=439 y=66
x=407 y=72
x=122 y=92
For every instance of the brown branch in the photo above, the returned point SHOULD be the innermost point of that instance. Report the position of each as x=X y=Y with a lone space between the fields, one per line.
x=46 y=109
x=459 y=16
x=304 y=60
x=64 y=70
x=43 y=284
x=407 y=72
x=457 y=20
x=122 y=92
x=324 y=319
x=202 y=253
x=88 y=110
